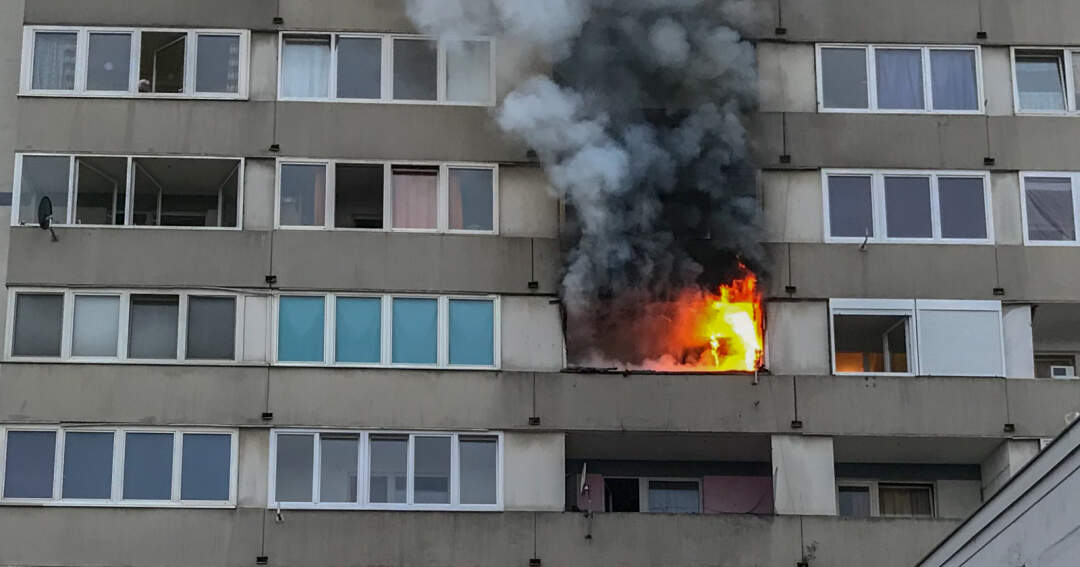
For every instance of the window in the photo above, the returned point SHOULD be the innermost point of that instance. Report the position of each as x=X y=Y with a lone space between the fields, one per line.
x=907 y=206
x=853 y=501
x=76 y=466
x=1062 y=366
x=80 y=325
x=899 y=78
x=385 y=470
x=1046 y=80
x=906 y=500
x=386 y=196
x=128 y=62
x=655 y=495
x=923 y=337
x=131 y=191
x=349 y=67
x=1049 y=208
x=384 y=330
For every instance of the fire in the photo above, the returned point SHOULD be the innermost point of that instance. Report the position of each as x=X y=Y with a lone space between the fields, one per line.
x=717 y=332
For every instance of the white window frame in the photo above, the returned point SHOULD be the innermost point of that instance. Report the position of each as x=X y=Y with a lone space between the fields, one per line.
x=875 y=496
x=386 y=69
x=1074 y=181
x=116 y=498
x=1072 y=98
x=363 y=472
x=124 y=295
x=877 y=200
x=871 y=78
x=82 y=53
x=386 y=330
x=442 y=212
x=129 y=195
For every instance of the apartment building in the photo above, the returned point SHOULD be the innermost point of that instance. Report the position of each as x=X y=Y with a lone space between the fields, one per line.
x=300 y=302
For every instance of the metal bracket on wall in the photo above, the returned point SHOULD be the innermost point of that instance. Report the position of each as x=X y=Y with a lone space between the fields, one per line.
x=268 y=416
x=262 y=560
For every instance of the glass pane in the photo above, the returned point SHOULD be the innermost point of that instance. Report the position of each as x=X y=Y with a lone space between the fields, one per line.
x=431 y=484
x=211 y=328
x=108 y=66
x=472 y=332
x=38 y=324
x=415 y=69
x=414 y=331
x=185 y=191
x=206 y=465
x=843 y=78
x=905 y=500
x=850 y=207
x=338 y=473
x=300 y=329
x=861 y=342
x=953 y=79
x=44 y=176
x=29 y=466
x=415 y=190
x=217 y=64
x=148 y=466
x=854 y=501
x=303 y=195
x=305 y=67
x=152 y=326
x=359 y=67
x=478 y=457
x=674 y=497
x=161 y=62
x=1076 y=79
x=100 y=190
x=295 y=458
x=1049 y=208
x=54 y=61
x=96 y=325
x=88 y=459
x=471 y=200
x=899 y=79
x=468 y=71
x=358 y=196
x=963 y=208
x=389 y=461
x=907 y=207
x=1039 y=82
x=359 y=329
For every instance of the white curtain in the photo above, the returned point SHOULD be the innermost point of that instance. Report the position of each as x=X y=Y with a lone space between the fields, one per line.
x=953 y=77
x=306 y=68
x=1039 y=82
x=899 y=79
x=54 y=61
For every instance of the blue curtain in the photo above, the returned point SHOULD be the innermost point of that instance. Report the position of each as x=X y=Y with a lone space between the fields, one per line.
x=415 y=331
x=472 y=332
x=358 y=329
x=300 y=329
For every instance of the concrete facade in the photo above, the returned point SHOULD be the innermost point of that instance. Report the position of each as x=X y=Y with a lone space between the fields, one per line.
x=796 y=422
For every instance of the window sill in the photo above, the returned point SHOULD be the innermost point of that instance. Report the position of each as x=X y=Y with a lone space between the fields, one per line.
x=388 y=101
x=920 y=241
x=387 y=507
x=31 y=502
x=980 y=112
x=136 y=227
x=132 y=96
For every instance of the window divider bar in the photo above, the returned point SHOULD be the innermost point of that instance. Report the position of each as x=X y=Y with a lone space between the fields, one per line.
x=177 y=458
x=117 y=488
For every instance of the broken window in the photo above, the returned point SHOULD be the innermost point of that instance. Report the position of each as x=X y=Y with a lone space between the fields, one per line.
x=358 y=196
x=871 y=343
x=185 y=192
x=161 y=62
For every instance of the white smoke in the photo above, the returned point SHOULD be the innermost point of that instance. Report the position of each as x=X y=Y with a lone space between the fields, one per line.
x=640 y=127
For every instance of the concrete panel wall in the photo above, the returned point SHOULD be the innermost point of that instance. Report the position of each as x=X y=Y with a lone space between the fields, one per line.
x=414 y=262
x=957 y=498
x=532 y=336
x=794 y=210
x=253 y=468
x=865 y=542
x=1041 y=408
x=351 y=15
x=533 y=473
x=1005 y=197
x=797 y=337
x=804 y=481
x=259 y=180
x=164 y=13
x=1006 y=461
x=1019 y=344
x=264 y=66
x=997 y=81
x=786 y=77
x=527 y=204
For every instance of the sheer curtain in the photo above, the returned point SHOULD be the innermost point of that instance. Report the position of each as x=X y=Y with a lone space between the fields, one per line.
x=899 y=79
x=306 y=67
x=1039 y=81
x=415 y=191
x=1049 y=209
x=54 y=61
x=953 y=77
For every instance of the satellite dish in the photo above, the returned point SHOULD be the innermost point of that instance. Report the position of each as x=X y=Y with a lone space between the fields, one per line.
x=44 y=213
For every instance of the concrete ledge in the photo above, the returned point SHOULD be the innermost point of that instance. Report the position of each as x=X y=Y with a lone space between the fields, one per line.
x=165 y=13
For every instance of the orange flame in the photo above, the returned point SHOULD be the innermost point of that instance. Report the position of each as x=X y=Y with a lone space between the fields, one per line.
x=718 y=332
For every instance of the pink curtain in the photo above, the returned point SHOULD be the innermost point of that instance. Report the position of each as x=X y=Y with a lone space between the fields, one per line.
x=415 y=191
x=457 y=218
x=594 y=502
x=737 y=495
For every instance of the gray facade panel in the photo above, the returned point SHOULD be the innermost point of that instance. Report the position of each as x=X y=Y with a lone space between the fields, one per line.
x=250 y=14
x=216 y=128
x=138 y=257
x=393 y=132
x=1037 y=407
x=1039 y=273
x=150 y=395
x=346 y=15
x=414 y=262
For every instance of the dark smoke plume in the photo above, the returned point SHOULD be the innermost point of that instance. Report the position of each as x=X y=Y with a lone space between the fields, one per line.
x=639 y=124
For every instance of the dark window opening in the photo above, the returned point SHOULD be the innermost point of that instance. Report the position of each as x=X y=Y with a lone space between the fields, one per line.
x=161 y=62
x=358 y=201
x=186 y=192
x=621 y=495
